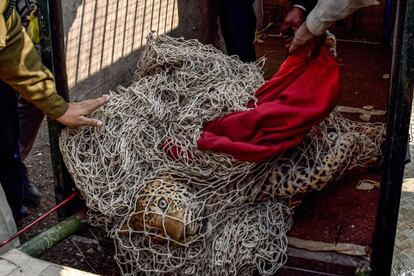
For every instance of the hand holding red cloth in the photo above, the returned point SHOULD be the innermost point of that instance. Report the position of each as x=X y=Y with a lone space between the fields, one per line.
x=299 y=96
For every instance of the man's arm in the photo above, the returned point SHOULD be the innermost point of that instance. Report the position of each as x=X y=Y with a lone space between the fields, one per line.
x=323 y=16
x=326 y=12
x=22 y=68
x=296 y=16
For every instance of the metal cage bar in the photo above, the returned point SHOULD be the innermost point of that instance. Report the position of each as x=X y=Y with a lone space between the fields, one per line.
x=53 y=57
x=399 y=110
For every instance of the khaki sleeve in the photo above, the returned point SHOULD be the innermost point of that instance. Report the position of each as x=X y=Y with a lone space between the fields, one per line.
x=22 y=68
x=3 y=32
x=326 y=12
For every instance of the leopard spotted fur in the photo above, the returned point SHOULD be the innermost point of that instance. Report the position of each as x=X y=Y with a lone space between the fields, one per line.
x=167 y=208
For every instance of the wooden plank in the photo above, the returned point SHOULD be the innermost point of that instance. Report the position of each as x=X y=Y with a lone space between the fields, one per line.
x=328 y=257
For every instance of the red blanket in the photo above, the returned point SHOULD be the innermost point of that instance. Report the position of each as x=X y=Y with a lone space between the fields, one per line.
x=299 y=96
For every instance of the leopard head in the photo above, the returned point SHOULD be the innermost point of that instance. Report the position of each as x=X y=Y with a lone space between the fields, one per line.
x=165 y=210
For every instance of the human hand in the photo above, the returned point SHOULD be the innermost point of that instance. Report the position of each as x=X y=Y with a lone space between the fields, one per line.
x=304 y=38
x=76 y=113
x=293 y=20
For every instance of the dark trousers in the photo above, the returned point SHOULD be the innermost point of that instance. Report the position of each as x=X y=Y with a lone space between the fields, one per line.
x=30 y=118
x=13 y=172
x=238 y=27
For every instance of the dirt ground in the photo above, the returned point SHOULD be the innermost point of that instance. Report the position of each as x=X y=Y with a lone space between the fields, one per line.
x=363 y=74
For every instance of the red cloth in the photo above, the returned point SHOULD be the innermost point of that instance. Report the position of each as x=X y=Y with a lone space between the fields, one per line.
x=299 y=96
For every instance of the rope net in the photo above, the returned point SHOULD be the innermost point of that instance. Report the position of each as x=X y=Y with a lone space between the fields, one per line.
x=194 y=212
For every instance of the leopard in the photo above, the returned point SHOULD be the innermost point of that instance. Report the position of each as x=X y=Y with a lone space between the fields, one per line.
x=167 y=209
x=163 y=209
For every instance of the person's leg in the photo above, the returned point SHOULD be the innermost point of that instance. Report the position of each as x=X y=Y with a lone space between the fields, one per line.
x=30 y=118
x=7 y=224
x=238 y=27
x=12 y=170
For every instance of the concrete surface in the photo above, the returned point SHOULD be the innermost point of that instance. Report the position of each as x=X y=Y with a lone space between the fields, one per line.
x=403 y=262
x=16 y=263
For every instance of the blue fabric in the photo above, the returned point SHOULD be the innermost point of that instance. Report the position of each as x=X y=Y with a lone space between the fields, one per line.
x=238 y=27
x=13 y=172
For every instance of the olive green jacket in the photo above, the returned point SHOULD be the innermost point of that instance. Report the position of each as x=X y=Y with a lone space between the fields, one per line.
x=22 y=68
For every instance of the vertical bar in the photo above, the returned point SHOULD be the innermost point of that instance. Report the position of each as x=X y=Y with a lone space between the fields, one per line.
x=53 y=57
x=402 y=84
x=388 y=20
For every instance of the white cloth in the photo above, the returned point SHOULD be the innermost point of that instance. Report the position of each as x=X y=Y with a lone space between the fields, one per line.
x=7 y=224
x=300 y=7
x=326 y=12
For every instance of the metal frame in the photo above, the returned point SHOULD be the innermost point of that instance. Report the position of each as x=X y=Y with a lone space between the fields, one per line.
x=388 y=20
x=397 y=129
x=399 y=110
x=53 y=57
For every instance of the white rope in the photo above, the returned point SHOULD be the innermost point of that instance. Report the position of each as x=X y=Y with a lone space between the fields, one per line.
x=234 y=220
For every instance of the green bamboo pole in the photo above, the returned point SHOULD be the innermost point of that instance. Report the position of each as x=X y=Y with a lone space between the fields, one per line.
x=47 y=239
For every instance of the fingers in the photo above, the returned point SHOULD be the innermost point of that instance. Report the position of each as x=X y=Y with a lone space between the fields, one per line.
x=90 y=106
x=84 y=121
x=295 y=46
x=293 y=49
x=288 y=42
x=73 y=120
x=288 y=28
x=76 y=112
x=293 y=20
x=302 y=38
x=286 y=25
x=315 y=46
